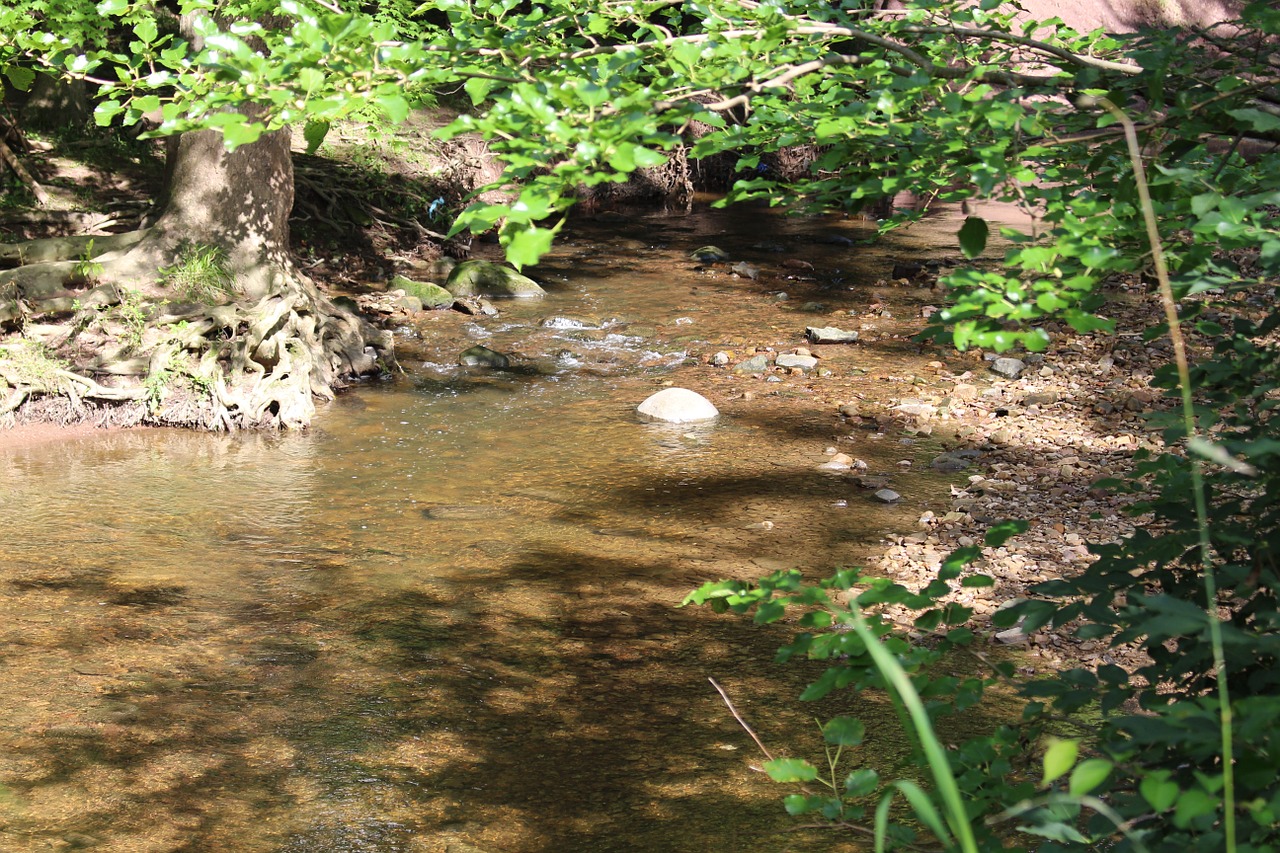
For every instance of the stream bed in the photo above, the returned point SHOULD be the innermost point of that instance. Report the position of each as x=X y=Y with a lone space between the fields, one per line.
x=445 y=618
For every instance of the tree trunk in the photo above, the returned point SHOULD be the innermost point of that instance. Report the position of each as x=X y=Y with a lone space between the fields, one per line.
x=239 y=201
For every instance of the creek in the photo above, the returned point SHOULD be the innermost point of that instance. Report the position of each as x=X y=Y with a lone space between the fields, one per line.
x=445 y=618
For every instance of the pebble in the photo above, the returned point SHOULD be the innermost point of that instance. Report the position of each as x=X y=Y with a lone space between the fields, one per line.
x=758 y=363
x=830 y=335
x=1009 y=368
x=1042 y=398
x=887 y=496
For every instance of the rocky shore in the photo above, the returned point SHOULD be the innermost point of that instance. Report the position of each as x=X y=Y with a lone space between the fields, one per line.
x=1024 y=436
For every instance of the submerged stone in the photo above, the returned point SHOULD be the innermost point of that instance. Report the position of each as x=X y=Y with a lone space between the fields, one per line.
x=484 y=278
x=479 y=356
x=465 y=512
x=570 y=321
x=677 y=406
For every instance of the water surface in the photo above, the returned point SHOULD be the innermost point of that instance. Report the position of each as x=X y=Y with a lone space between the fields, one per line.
x=445 y=618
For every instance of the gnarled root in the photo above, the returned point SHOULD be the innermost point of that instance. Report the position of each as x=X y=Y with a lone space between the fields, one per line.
x=225 y=366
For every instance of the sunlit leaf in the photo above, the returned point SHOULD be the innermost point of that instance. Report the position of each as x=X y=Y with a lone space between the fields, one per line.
x=1059 y=758
x=790 y=770
x=1088 y=775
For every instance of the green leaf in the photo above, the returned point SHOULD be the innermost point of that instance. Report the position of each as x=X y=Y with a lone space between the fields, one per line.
x=973 y=237
x=20 y=77
x=478 y=88
x=623 y=157
x=924 y=809
x=146 y=103
x=239 y=133
x=1059 y=758
x=526 y=243
x=1056 y=831
x=1001 y=532
x=1089 y=774
x=799 y=804
x=844 y=731
x=314 y=133
x=957 y=560
x=112 y=7
x=790 y=770
x=1191 y=805
x=105 y=112
x=1202 y=447
x=1256 y=119
x=861 y=782
x=310 y=79
x=146 y=30
x=592 y=95
x=395 y=106
x=1159 y=791
x=647 y=158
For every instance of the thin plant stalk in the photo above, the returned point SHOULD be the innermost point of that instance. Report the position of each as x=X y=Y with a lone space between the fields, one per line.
x=934 y=752
x=1197 y=476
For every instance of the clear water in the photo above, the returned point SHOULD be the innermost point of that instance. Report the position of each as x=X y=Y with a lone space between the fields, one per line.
x=445 y=618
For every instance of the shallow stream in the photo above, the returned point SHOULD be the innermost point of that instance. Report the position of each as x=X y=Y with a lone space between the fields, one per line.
x=445 y=618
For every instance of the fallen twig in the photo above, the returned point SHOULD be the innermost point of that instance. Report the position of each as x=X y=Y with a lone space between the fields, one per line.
x=738 y=717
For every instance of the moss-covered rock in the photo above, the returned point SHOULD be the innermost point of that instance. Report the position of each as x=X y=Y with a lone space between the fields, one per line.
x=483 y=278
x=433 y=296
x=479 y=356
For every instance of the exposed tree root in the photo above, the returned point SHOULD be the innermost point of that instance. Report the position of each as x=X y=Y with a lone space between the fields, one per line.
x=11 y=160
x=123 y=340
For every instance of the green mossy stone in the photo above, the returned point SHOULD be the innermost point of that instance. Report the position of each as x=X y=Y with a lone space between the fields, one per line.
x=479 y=356
x=433 y=296
x=710 y=255
x=483 y=278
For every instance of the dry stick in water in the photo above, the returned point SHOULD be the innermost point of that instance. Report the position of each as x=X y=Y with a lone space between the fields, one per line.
x=738 y=717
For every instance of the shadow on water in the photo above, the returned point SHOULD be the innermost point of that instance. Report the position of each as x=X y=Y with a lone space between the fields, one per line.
x=445 y=619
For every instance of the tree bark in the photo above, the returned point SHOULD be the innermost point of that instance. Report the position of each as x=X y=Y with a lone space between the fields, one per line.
x=239 y=201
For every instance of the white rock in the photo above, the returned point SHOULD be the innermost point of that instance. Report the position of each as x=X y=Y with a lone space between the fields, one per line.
x=804 y=362
x=1012 y=636
x=677 y=406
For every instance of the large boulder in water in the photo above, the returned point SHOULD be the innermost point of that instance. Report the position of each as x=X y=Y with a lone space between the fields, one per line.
x=433 y=296
x=484 y=278
x=677 y=406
